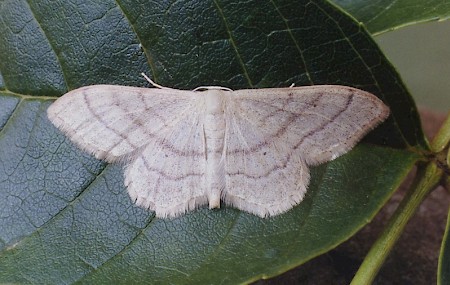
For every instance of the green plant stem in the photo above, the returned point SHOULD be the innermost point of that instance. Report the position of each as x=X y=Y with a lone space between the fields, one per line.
x=427 y=178
x=442 y=138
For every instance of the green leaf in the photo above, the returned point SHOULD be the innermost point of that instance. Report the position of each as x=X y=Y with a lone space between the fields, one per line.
x=441 y=144
x=443 y=274
x=66 y=217
x=385 y=15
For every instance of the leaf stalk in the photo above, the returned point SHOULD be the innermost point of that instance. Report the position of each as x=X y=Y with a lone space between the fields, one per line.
x=426 y=180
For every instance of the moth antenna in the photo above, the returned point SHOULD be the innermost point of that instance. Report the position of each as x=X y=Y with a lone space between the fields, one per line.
x=154 y=83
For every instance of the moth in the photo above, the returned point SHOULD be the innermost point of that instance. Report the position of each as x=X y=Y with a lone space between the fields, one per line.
x=250 y=148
